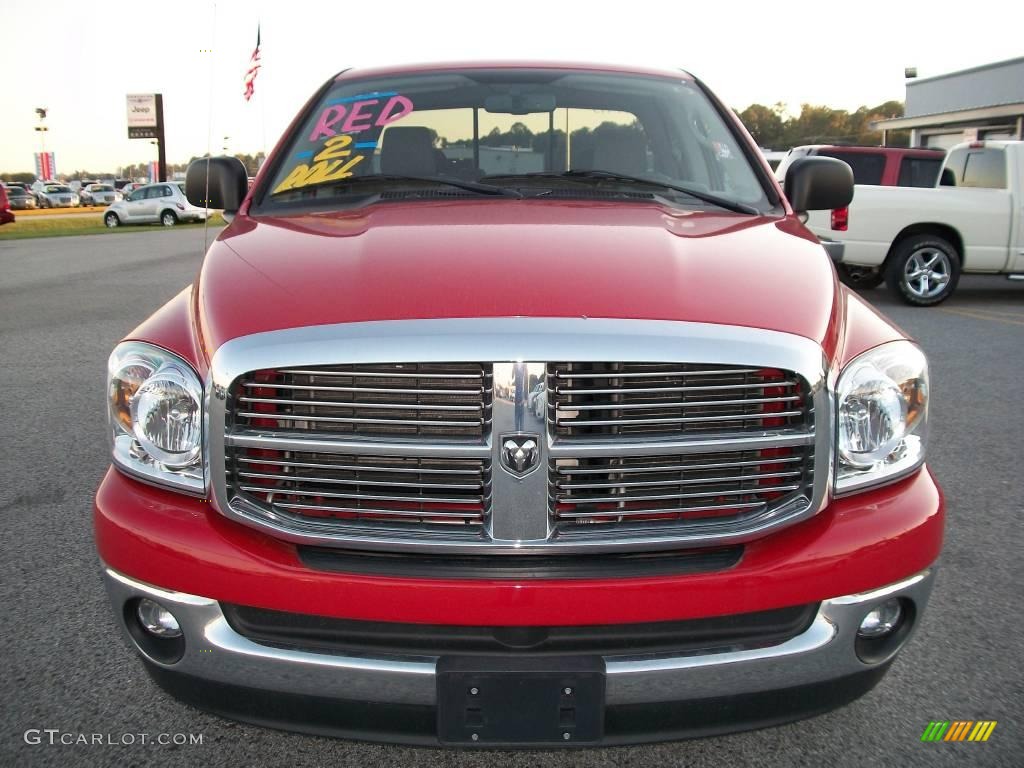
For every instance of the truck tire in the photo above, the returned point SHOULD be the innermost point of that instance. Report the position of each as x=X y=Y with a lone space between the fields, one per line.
x=924 y=270
x=860 y=278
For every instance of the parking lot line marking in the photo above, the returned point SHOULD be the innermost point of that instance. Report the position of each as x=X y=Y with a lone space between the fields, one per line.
x=980 y=315
x=996 y=312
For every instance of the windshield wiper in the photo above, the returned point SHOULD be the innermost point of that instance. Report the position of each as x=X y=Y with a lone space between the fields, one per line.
x=580 y=174
x=353 y=181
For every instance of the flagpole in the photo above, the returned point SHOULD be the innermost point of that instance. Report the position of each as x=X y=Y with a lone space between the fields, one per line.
x=263 y=108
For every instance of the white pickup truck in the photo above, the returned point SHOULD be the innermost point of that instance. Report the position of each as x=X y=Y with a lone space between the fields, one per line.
x=919 y=241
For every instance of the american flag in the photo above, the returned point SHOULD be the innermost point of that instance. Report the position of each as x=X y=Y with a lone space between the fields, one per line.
x=254 y=67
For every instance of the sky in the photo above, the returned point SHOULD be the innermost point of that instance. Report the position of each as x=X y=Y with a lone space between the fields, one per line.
x=81 y=59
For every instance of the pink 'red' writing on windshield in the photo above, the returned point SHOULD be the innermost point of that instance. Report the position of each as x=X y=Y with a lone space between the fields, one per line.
x=359 y=116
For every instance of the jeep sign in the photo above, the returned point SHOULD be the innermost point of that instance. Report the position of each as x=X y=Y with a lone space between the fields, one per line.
x=142 y=110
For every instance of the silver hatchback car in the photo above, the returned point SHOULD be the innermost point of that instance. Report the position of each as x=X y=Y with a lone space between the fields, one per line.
x=162 y=202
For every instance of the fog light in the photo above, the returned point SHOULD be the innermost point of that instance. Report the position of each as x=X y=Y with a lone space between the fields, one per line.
x=157 y=620
x=882 y=620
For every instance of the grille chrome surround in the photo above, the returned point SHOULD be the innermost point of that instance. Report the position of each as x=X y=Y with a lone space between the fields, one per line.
x=354 y=455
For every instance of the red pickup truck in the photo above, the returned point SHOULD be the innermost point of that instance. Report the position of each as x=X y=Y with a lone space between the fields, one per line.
x=516 y=407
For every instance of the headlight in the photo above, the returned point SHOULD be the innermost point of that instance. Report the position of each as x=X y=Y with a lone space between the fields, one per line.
x=156 y=416
x=882 y=409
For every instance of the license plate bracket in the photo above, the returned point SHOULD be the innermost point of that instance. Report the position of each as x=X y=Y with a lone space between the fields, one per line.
x=496 y=701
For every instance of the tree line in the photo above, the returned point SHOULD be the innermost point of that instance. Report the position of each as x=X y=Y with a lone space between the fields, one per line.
x=816 y=124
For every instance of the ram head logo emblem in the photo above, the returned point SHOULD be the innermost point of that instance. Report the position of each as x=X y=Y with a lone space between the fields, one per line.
x=519 y=453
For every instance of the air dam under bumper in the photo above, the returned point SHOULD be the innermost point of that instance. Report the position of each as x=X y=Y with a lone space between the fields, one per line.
x=647 y=697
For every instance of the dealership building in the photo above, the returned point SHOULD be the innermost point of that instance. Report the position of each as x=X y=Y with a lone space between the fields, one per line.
x=985 y=102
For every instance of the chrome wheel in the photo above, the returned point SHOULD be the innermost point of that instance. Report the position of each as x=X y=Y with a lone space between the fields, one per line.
x=168 y=219
x=927 y=273
x=111 y=220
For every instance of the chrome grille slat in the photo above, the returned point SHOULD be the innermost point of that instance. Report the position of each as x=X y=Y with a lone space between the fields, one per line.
x=360 y=490
x=413 y=400
x=327 y=371
x=632 y=513
x=362 y=496
x=345 y=405
x=355 y=468
x=681 y=404
x=453 y=518
x=369 y=390
x=595 y=494
x=349 y=419
x=625 y=400
x=646 y=390
x=689 y=481
x=694 y=467
x=385 y=483
x=626 y=497
x=641 y=374
x=683 y=419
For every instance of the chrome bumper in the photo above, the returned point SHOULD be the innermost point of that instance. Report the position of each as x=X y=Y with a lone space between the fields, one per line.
x=215 y=652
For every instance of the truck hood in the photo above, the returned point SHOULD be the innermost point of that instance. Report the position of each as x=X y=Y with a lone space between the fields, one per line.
x=503 y=258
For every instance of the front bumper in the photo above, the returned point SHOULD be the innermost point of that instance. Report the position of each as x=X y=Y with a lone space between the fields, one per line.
x=844 y=560
x=647 y=697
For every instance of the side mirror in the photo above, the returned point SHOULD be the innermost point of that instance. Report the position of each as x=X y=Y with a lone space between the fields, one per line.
x=228 y=184
x=819 y=184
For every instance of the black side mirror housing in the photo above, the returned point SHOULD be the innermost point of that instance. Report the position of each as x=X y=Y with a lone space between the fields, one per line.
x=228 y=184
x=819 y=184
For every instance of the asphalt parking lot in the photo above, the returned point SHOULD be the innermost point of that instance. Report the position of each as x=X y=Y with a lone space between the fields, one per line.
x=64 y=303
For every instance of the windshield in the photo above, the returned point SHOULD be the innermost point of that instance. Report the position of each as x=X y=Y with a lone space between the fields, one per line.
x=101 y=188
x=57 y=190
x=479 y=131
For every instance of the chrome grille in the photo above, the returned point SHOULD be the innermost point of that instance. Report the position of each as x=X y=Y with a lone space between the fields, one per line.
x=442 y=400
x=316 y=437
x=597 y=494
x=601 y=400
x=363 y=489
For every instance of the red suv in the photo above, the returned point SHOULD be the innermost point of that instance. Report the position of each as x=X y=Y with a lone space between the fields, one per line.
x=878 y=166
x=517 y=407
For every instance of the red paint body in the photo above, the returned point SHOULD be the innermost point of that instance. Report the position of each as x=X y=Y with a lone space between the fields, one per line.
x=180 y=543
x=398 y=261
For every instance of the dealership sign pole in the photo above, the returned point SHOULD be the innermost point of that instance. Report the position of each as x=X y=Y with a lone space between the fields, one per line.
x=146 y=121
